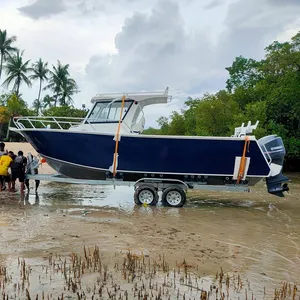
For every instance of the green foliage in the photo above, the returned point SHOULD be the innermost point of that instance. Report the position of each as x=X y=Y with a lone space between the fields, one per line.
x=65 y=111
x=71 y=114
x=243 y=73
x=164 y=125
x=14 y=106
x=214 y=114
x=151 y=131
x=190 y=116
x=177 y=124
x=4 y=117
x=293 y=146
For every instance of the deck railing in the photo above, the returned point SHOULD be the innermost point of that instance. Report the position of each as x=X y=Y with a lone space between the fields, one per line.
x=61 y=123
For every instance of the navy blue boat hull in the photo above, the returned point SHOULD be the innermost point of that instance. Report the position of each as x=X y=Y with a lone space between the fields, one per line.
x=67 y=151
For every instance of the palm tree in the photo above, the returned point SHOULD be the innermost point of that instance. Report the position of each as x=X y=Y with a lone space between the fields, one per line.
x=40 y=72
x=47 y=102
x=58 y=76
x=68 y=89
x=16 y=71
x=6 y=47
x=35 y=104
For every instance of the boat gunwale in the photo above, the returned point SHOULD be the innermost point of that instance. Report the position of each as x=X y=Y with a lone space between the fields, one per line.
x=188 y=137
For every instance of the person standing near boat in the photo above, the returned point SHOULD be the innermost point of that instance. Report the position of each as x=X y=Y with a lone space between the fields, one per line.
x=2 y=152
x=5 y=163
x=18 y=171
x=32 y=165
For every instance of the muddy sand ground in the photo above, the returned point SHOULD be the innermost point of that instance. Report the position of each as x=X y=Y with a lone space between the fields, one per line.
x=255 y=234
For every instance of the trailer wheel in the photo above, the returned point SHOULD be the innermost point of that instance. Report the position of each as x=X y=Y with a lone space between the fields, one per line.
x=174 y=196
x=145 y=194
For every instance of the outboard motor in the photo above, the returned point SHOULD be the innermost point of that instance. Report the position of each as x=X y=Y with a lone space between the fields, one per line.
x=274 y=151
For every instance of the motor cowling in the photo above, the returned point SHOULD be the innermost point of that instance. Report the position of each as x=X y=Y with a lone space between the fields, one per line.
x=274 y=151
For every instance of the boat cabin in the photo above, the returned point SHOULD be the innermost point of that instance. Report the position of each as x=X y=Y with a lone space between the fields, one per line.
x=105 y=113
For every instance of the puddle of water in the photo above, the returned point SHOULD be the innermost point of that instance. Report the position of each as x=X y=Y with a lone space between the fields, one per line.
x=84 y=195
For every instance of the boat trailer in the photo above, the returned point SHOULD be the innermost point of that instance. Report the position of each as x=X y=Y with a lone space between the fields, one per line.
x=145 y=189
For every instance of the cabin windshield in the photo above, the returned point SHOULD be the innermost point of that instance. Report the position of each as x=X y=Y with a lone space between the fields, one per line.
x=108 y=111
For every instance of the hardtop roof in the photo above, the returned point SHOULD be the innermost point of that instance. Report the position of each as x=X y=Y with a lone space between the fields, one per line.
x=143 y=98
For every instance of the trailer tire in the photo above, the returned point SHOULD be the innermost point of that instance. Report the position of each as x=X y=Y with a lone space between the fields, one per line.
x=173 y=196
x=145 y=194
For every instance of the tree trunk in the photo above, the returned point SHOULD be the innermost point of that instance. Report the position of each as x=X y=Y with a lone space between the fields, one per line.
x=18 y=87
x=1 y=65
x=7 y=133
x=55 y=100
x=38 y=100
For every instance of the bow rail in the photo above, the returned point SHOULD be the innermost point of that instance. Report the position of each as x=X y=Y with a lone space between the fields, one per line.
x=65 y=123
x=62 y=123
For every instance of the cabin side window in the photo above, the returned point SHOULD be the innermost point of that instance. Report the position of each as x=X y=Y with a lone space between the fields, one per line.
x=108 y=111
x=138 y=120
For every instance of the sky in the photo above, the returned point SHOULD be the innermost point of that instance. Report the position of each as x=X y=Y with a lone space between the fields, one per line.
x=146 y=45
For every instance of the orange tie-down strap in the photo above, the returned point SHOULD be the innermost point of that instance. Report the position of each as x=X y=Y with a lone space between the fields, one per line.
x=243 y=160
x=117 y=137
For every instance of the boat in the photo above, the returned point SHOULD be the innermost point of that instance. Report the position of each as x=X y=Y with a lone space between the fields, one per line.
x=109 y=144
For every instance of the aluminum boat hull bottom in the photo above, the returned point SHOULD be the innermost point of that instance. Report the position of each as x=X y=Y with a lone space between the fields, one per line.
x=79 y=172
x=90 y=155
